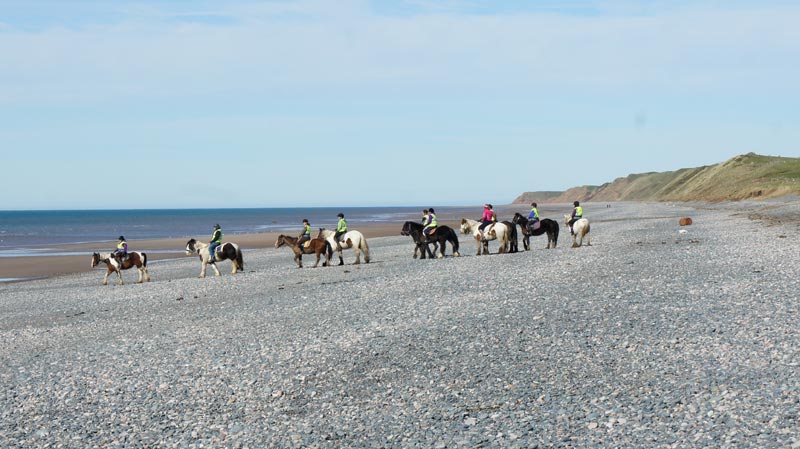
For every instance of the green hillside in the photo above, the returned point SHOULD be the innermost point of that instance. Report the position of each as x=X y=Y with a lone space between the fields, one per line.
x=742 y=177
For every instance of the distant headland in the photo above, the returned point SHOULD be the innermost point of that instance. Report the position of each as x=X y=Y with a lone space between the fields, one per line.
x=746 y=176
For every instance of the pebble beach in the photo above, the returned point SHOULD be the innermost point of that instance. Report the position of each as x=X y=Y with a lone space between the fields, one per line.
x=649 y=338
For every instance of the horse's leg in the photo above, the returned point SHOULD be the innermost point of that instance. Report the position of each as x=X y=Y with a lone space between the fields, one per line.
x=357 y=249
x=105 y=278
x=203 y=269
x=141 y=275
x=442 y=244
x=146 y=274
x=119 y=274
x=341 y=259
x=317 y=262
x=479 y=242
x=216 y=270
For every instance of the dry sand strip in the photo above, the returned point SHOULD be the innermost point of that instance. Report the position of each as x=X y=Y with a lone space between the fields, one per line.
x=649 y=338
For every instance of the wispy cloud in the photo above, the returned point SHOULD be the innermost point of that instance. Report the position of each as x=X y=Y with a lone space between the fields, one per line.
x=154 y=49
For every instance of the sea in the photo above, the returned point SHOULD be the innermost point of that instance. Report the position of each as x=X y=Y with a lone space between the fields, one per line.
x=39 y=233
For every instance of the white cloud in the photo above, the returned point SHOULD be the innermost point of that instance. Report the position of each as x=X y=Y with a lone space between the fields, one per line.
x=317 y=45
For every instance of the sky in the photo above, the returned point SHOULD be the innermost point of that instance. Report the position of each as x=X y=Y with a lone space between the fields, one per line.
x=209 y=104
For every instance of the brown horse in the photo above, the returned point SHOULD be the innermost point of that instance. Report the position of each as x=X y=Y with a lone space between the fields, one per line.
x=134 y=259
x=313 y=246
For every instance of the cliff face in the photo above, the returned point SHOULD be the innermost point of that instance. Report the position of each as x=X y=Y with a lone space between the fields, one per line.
x=742 y=177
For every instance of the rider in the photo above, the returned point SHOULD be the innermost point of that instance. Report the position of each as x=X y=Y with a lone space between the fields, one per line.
x=216 y=240
x=577 y=214
x=122 y=250
x=306 y=235
x=488 y=217
x=341 y=228
x=533 y=216
x=430 y=223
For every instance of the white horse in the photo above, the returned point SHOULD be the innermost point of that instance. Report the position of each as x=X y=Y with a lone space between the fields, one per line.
x=497 y=230
x=227 y=250
x=133 y=259
x=580 y=229
x=350 y=239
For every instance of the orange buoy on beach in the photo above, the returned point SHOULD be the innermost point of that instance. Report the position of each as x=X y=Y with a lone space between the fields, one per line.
x=685 y=221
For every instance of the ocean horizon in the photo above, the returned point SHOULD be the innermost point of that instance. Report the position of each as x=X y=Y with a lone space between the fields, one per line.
x=35 y=232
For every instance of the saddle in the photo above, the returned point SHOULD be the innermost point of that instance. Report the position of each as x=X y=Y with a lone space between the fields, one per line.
x=433 y=231
x=536 y=225
x=306 y=244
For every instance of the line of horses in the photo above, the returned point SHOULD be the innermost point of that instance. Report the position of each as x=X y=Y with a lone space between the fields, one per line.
x=505 y=232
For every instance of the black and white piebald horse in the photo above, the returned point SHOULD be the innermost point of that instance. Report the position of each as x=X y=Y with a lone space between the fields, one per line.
x=227 y=250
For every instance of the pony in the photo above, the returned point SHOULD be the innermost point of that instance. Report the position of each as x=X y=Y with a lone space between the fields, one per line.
x=498 y=230
x=580 y=230
x=227 y=250
x=440 y=236
x=545 y=225
x=513 y=241
x=350 y=239
x=134 y=259
x=313 y=246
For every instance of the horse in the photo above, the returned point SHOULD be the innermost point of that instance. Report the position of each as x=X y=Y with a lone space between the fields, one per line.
x=498 y=230
x=133 y=259
x=580 y=230
x=227 y=250
x=439 y=237
x=513 y=241
x=313 y=246
x=350 y=239
x=545 y=225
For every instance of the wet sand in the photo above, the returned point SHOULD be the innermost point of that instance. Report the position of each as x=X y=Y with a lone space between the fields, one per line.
x=36 y=267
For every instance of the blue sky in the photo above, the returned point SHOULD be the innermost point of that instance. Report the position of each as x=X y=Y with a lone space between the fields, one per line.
x=162 y=104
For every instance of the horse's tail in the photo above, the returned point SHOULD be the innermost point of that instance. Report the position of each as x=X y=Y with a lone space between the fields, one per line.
x=453 y=237
x=239 y=258
x=365 y=248
x=328 y=248
x=555 y=233
x=144 y=259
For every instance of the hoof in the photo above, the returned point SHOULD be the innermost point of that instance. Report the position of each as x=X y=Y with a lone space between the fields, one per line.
x=341 y=263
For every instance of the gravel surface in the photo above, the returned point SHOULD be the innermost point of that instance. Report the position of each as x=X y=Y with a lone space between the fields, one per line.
x=648 y=338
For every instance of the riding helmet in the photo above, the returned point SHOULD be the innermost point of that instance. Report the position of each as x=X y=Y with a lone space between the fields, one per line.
x=341 y=215
x=121 y=238
x=216 y=226
x=576 y=204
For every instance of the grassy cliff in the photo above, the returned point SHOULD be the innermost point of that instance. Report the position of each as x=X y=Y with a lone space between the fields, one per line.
x=742 y=177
